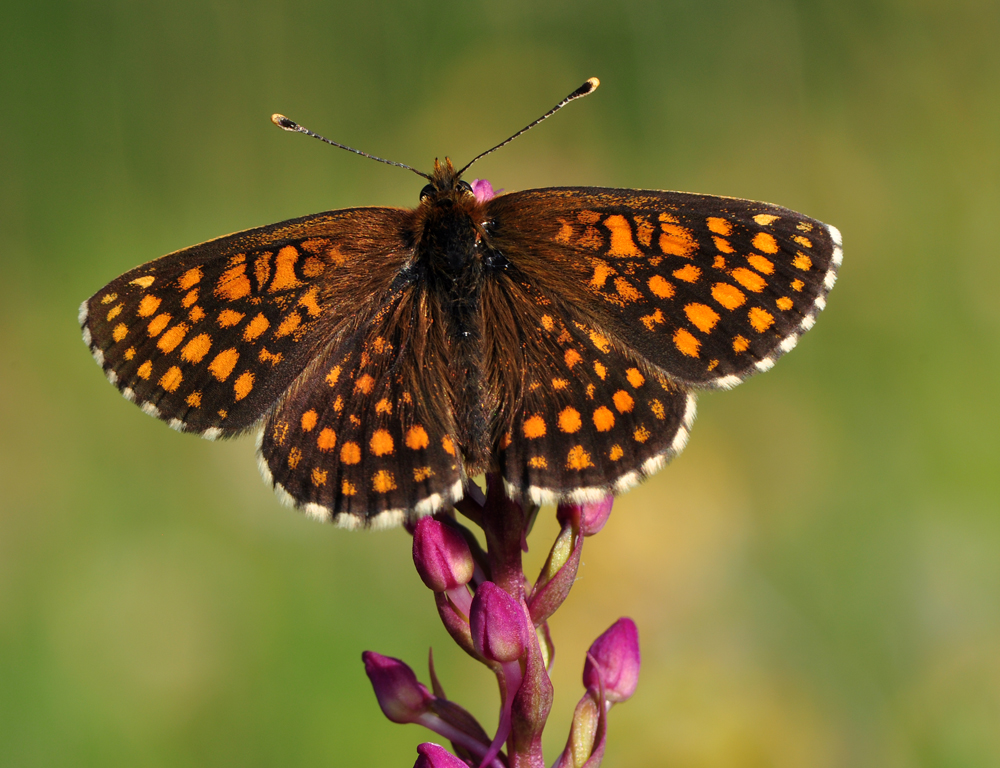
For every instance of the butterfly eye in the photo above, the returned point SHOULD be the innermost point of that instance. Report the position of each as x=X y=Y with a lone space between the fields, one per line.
x=465 y=186
x=427 y=191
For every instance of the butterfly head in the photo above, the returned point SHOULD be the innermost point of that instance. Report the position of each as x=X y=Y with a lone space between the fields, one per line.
x=446 y=184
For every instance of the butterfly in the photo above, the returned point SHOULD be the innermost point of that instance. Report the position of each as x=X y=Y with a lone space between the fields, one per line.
x=554 y=336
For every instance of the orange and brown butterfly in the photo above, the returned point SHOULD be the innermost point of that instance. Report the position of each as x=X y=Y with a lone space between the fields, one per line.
x=555 y=336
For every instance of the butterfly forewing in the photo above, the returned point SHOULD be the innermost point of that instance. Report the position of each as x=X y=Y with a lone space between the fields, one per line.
x=708 y=289
x=208 y=338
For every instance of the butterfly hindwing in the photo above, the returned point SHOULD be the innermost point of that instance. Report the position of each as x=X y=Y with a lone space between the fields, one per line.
x=590 y=417
x=708 y=289
x=366 y=436
x=209 y=337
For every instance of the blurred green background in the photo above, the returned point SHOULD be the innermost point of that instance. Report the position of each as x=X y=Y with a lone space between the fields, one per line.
x=816 y=580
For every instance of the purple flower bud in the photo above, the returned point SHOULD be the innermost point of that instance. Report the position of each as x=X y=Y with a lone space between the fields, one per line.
x=441 y=555
x=482 y=189
x=435 y=756
x=613 y=660
x=590 y=518
x=402 y=698
x=499 y=626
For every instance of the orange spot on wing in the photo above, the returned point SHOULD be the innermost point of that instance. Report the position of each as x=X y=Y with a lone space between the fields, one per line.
x=798 y=285
x=288 y=325
x=243 y=385
x=534 y=426
x=171 y=379
x=223 y=363
x=262 y=269
x=284 y=270
x=677 y=240
x=194 y=400
x=383 y=481
x=626 y=290
x=571 y=358
x=801 y=261
x=228 y=318
x=702 y=317
x=623 y=401
x=308 y=301
x=758 y=262
x=319 y=476
x=644 y=230
x=308 y=420
x=651 y=321
x=604 y=419
x=120 y=332
x=601 y=273
x=578 y=458
x=383 y=406
x=658 y=410
x=117 y=309
x=347 y=489
x=416 y=438
x=422 y=473
x=719 y=226
x=689 y=273
x=764 y=219
x=448 y=444
x=749 y=280
x=686 y=343
x=157 y=324
x=728 y=295
x=326 y=440
x=760 y=319
x=189 y=298
x=764 y=241
x=350 y=453
x=741 y=344
x=294 y=457
x=143 y=282
x=234 y=283
x=660 y=287
x=538 y=462
x=196 y=315
x=365 y=384
x=805 y=242
x=641 y=434
x=381 y=443
x=722 y=244
x=615 y=453
x=168 y=342
x=255 y=328
x=145 y=370
x=559 y=384
x=635 y=378
x=147 y=306
x=600 y=369
x=569 y=420
x=565 y=233
x=190 y=278
x=784 y=303
x=197 y=348
x=622 y=243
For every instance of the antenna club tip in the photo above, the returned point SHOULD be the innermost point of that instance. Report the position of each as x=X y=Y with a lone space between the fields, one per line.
x=593 y=82
x=283 y=122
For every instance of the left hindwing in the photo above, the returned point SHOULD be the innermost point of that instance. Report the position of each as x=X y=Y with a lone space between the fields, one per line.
x=708 y=289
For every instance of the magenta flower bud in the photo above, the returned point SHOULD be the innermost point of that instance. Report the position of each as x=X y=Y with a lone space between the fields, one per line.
x=499 y=627
x=441 y=555
x=613 y=660
x=435 y=756
x=402 y=698
x=590 y=518
x=482 y=189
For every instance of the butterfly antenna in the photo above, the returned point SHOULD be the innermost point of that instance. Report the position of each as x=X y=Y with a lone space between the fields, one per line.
x=584 y=90
x=290 y=125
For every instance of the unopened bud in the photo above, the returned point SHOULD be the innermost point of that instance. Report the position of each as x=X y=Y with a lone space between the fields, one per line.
x=498 y=624
x=435 y=756
x=613 y=660
x=441 y=555
x=402 y=698
x=589 y=517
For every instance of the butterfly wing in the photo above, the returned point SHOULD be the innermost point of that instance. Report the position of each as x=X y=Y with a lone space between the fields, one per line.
x=583 y=415
x=707 y=289
x=366 y=437
x=209 y=338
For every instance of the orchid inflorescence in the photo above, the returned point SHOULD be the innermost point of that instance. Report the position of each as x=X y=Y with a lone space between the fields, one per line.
x=496 y=616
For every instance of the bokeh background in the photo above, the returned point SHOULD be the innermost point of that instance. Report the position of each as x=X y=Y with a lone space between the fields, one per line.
x=816 y=580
